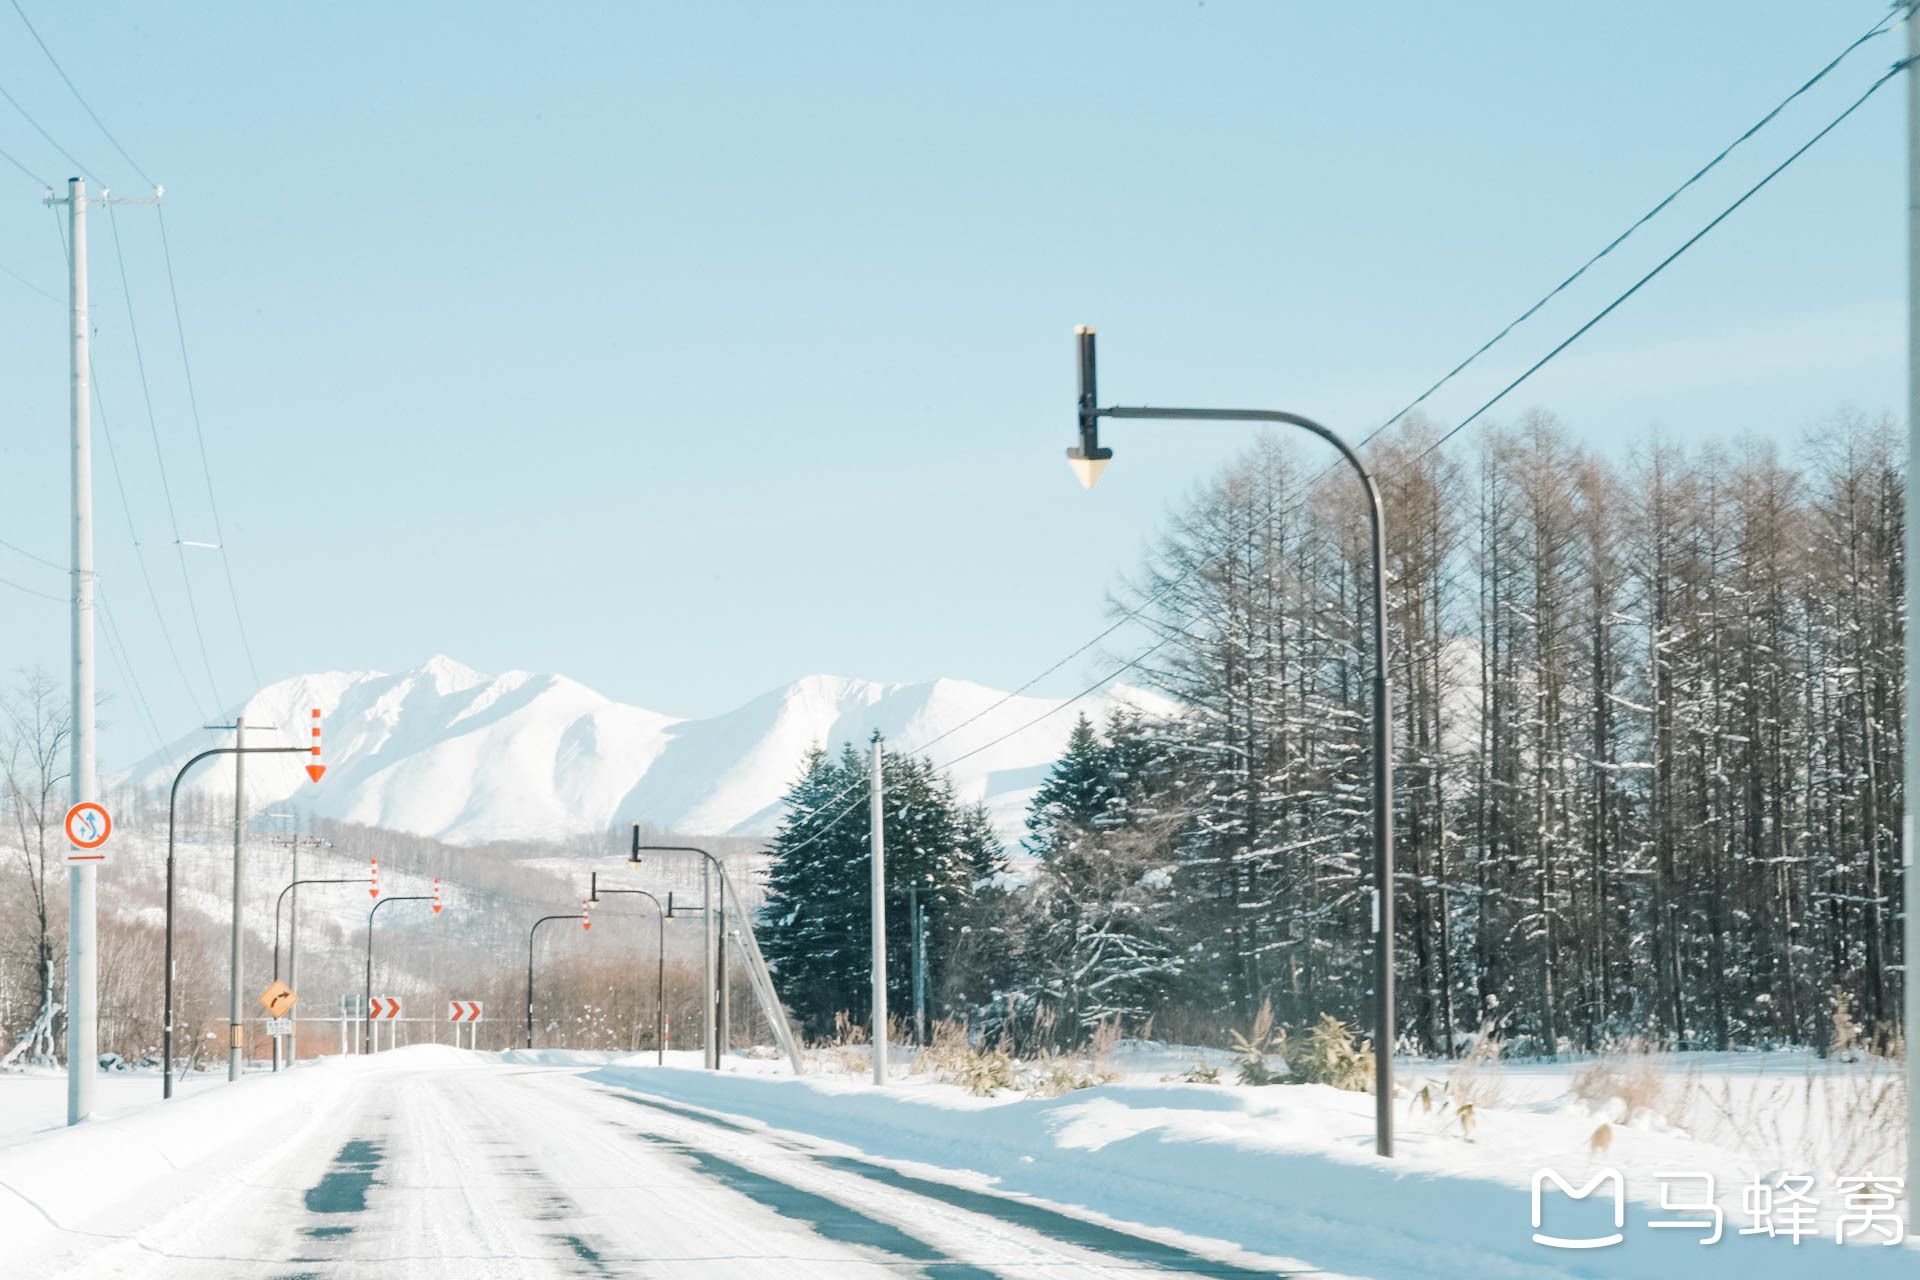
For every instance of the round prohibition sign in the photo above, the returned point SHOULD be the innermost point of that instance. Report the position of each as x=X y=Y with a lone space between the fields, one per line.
x=88 y=825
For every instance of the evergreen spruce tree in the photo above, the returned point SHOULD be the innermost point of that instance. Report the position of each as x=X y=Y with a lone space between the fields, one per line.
x=1095 y=936
x=818 y=923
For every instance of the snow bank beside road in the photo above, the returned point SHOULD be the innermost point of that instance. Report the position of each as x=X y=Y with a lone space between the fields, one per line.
x=1288 y=1172
x=33 y=1102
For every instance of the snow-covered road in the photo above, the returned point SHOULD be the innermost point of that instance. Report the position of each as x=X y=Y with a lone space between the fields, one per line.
x=475 y=1168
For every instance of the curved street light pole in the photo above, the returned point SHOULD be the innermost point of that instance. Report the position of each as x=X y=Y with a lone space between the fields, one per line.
x=660 y=974
x=530 y=932
x=1088 y=460
x=173 y=797
x=713 y=1002
x=757 y=971
x=281 y=901
x=366 y=1007
x=277 y=904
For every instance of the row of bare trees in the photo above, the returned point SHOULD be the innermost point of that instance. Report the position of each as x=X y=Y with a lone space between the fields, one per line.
x=1648 y=729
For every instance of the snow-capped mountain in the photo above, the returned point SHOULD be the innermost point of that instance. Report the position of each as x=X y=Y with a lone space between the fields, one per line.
x=447 y=752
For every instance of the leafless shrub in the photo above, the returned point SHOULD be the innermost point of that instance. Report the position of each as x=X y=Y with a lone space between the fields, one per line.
x=983 y=1072
x=1100 y=1047
x=1477 y=1079
x=1628 y=1075
x=1331 y=1054
x=1842 y=1115
x=1057 y=1076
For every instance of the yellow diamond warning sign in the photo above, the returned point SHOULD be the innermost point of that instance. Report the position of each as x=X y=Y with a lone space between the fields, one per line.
x=279 y=998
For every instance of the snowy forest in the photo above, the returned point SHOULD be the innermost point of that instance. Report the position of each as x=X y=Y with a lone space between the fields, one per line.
x=1647 y=719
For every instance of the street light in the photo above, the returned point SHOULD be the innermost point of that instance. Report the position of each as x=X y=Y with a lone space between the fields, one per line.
x=578 y=915
x=757 y=971
x=715 y=1014
x=1088 y=459
x=277 y=904
x=660 y=975
x=366 y=1009
x=173 y=797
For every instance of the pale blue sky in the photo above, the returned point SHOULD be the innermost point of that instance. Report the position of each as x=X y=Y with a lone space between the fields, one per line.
x=688 y=349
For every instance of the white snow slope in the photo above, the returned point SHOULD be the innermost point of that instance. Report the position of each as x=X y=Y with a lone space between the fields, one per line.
x=446 y=752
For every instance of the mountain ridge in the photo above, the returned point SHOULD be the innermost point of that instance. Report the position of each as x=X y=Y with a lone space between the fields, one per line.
x=443 y=750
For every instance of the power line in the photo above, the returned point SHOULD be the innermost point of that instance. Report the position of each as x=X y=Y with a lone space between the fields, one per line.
x=77 y=96
x=1664 y=263
x=19 y=550
x=118 y=647
x=139 y=552
x=862 y=783
x=206 y=471
x=126 y=507
x=1879 y=28
x=166 y=489
x=1126 y=666
x=70 y=157
x=38 y=180
x=1005 y=698
x=5 y=582
x=28 y=284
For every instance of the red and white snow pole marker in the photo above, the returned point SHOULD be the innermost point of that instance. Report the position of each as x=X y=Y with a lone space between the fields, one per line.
x=316 y=769
x=373 y=878
x=436 y=895
x=586 y=910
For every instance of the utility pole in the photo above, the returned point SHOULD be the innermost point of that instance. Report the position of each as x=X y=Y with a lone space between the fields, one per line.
x=723 y=1039
x=917 y=916
x=878 y=859
x=293 y=958
x=83 y=976
x=1911 y=791
x=710 y=1051
x=83 y=962
x=236 y=1029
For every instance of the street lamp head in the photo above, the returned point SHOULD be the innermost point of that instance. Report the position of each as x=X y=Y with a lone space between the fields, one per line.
x=1087 y=458
x=1087 y=468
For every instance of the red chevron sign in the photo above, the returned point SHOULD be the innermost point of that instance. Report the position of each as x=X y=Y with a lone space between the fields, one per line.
x=383 y=1007
x=463 y=1011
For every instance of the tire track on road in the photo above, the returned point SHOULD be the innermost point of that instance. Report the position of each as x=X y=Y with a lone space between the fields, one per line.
x=1095 y=1247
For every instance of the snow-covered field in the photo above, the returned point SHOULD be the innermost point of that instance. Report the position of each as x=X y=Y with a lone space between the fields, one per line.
x=466 y=1161
x=34 y=1101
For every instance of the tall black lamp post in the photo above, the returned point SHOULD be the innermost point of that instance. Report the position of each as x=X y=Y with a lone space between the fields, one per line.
x=367 y=1043
x=1088 y=459
x=660 y=972
x=530 y=934
x=293 y=1045
x=173 y=799
x=715 y=1013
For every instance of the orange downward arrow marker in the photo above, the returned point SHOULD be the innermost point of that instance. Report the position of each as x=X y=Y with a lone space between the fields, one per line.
x=315 y=770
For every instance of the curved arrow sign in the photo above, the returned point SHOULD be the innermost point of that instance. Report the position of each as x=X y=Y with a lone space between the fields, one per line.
x=384 y=1007
x=463 y=1011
